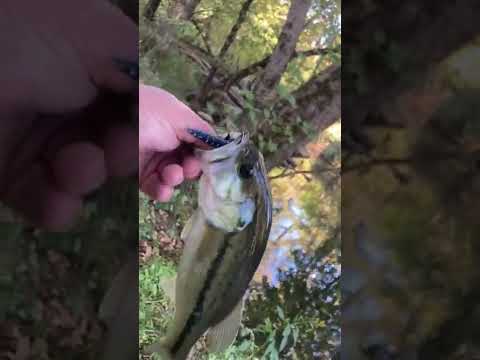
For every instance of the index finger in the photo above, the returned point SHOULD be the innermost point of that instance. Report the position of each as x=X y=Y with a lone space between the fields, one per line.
x=179 y=116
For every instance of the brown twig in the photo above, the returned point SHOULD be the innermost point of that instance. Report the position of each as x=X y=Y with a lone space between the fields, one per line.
x=285 y=231
x=253 y=68
x=203 y=36
x=242 y=16
x=285 y=173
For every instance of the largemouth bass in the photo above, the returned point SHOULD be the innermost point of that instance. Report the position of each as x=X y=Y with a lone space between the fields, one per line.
x=225 y=240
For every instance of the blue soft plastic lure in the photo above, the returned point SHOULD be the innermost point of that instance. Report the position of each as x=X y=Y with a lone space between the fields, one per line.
x=213 y=141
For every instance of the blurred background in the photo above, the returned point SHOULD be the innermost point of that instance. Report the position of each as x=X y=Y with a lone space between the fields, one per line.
x=411 y=182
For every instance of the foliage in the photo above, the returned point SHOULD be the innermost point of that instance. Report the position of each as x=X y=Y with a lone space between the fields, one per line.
x=153 y=306
x=162 y=64
x=284 y=322
x=299 y=319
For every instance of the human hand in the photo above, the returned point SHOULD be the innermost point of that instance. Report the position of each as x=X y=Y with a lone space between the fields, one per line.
x=61 y=135
x=166 y=148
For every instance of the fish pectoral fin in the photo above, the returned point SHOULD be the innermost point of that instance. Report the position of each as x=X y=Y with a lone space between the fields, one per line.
x=168 y=286
x=222 y=335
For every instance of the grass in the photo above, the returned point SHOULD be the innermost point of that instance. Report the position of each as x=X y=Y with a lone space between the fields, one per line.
x=154 y=311
x=159 y=228
x=154 y=307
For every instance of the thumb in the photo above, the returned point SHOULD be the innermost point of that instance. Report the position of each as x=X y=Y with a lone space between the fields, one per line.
x=164 y=121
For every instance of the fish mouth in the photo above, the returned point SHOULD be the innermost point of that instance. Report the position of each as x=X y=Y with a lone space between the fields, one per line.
x=221 y=148
x=216 y=142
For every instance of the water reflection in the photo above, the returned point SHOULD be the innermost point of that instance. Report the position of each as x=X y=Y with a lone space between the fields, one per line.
x=292 y=227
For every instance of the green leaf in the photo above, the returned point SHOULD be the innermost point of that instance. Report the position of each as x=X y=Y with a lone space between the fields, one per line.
x=285 y=336
x=244 y=345
x=280 y=312
x=271 y=146
x=274 y=354
x=249 y=96
x=291 y=99
x=288 y=130
x=295 y=335
x=266 y=113
x=270 y=349
x=252 y=115
x=282 y=91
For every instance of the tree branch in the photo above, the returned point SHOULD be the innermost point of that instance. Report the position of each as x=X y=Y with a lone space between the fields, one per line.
x=285 y=231
x=253 y=68
x=284 y=49
x=150 y=9
x=242 y=16
x=290 y=174
x=317 y=102
x=183 y=9
x=203 y=36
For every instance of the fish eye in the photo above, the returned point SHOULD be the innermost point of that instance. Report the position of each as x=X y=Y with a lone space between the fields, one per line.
x=245 y=171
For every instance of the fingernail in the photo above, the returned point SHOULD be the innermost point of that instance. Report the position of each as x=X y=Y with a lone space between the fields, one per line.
x=129 y=68
x=208 y=139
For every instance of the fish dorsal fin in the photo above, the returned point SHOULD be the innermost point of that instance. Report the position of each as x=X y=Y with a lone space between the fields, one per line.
x=222 y=335
x=168 y=286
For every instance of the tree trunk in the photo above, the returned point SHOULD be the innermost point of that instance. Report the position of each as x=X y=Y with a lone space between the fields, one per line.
x=183 y=9
x=284 y=49
x=318 y=102
x=257 y=66
x=151 y=9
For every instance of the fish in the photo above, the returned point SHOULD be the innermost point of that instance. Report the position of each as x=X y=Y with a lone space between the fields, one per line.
x=225 y=240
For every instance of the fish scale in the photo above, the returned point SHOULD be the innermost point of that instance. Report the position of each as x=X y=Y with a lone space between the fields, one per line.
x=198 y=310
x=230 y=257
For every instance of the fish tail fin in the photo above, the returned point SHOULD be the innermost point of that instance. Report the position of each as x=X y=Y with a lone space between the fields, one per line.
x=222 y=335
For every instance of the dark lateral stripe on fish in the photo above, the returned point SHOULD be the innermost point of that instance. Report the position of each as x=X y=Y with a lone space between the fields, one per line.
x=213 y=141
x=198 y=309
